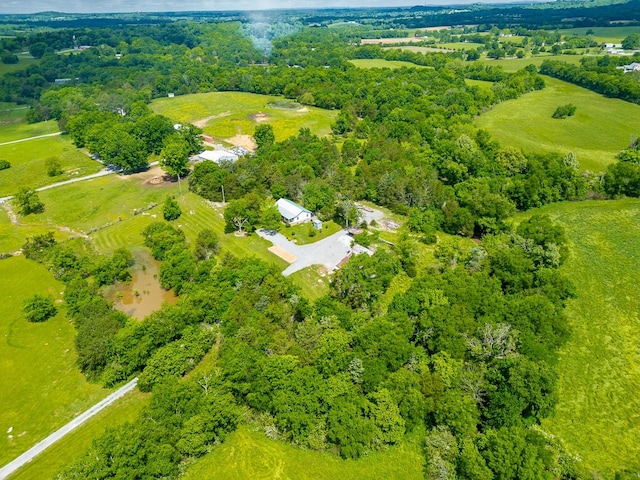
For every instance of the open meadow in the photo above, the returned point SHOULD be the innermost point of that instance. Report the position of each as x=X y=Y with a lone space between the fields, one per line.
x=73 y=446
x=600 y=128
x=28 y=166
x=599 y=369
x=224 y=115
x=42 y=388
x=249 y=454
x=24 y=61
x=13 y=126
x=604 y=34
x=515 y=64
x=381 y=63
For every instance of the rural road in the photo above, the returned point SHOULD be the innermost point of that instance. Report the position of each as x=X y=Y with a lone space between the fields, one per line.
x=31 y=138
x=39 y=447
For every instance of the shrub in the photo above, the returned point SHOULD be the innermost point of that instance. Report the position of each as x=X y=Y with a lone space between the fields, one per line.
x=39 y=308
x=4 y=164
x=53 y=166
x=564 y=111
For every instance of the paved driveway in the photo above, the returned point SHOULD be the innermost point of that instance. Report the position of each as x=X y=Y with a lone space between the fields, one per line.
x=327 y=252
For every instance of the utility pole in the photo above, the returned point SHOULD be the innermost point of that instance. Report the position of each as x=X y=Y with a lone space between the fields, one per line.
x=223 y=200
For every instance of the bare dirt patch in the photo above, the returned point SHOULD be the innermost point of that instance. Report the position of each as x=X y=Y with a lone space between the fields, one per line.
x=283 y=254
x=259 y=117
x=203 y=122
x=303 y=110
x=245 y=141
x=153 y=176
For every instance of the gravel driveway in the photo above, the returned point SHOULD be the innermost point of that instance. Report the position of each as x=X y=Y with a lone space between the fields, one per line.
x=327 y=252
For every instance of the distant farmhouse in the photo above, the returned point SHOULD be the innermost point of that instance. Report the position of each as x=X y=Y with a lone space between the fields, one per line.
x=632 y=67
x=292 y=213
x=217 y=156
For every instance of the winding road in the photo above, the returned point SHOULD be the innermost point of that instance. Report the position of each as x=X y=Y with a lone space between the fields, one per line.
x=39 y=447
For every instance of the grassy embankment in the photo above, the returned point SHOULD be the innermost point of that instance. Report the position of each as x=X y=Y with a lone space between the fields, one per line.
x=41 y=384
x=28 y=162
x=248 y=454
x=597 y=415
x=600 y=128
x=226 y=114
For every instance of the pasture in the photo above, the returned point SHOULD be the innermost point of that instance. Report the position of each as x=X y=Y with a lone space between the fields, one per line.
x=600 y=128
x=249 y=454
x=12 y=237
x=41 y=384
x=604 y=34
x=380 y=63
x=415 y=49
x=24 y=62
x=13 y=127
x=224 y=115
x=28 y=163
x=599 y=369
x=72 y=447
x=515 y=64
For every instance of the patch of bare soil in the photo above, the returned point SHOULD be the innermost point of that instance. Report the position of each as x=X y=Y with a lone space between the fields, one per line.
x=259 y=117
x=283 y=254
x=303 y=110
x=153 y=176
x=12 y=215
x=203 y=122
x=245 y=141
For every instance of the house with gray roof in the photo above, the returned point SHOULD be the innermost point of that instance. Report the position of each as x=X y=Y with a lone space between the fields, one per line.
x=292 y=213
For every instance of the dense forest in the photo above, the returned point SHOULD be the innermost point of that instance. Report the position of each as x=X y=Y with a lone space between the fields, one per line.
x=461 y=357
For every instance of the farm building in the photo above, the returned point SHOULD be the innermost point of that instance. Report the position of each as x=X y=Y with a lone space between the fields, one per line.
x=292 y=213
x=217 y=156
x=632 y=67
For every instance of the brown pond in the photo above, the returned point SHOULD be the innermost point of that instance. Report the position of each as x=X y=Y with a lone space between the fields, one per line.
x=143 y=294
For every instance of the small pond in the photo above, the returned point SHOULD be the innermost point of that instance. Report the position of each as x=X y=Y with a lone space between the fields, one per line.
x=143 y=294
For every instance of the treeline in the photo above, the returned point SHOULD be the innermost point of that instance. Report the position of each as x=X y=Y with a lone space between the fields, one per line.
x=609 y=82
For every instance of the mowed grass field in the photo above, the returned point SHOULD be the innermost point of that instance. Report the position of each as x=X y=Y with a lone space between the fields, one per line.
x=28 y=166
x=604 y=34
x=42 y=388
x=24 y=62
x=380 y=63
x=226 y=114
x=515 y=64
x=598 y=415
x=248 y=454
x=73 y=446
x=13 y=127
x=600 y=128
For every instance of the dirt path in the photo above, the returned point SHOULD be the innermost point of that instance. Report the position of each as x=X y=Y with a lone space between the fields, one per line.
x=31 y=138
x=12 y=215
x=204 y=121
x=41 y=446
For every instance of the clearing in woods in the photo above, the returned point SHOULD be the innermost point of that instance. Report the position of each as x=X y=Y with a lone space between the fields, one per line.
x=600 y=128
x=224 y=115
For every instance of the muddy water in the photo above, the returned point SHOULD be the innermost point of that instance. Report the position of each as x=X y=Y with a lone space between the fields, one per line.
x=143 y=294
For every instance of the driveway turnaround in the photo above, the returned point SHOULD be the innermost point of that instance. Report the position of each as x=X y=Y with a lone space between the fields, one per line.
x=39 y=447
x=328 y=252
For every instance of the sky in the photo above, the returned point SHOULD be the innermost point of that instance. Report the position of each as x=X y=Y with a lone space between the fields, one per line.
x=93 y=6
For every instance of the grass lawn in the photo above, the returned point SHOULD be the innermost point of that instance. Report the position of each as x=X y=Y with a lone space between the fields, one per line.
x=600 y=128
x=515 y=64
x=300 y=233
x=415 y=49
x=24 y=62
x=604 y=34
x=13 y=128
x=314 y=284
x=597 y=415
x=460 y=45
x=41 y=384
x=12 y=237
x=248 y=454
x=72 y=447
x=380 y=63
x=478 y=83
x=28 y=163
x=226 y=114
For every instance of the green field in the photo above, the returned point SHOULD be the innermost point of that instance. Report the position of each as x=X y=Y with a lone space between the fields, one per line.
x=515 y=64
x=28 y=163
x=73 y=446
x=460 y=45
x=314 y=283
x=380 y=63
x=597 y=415
x=600 y=128
x=24 y=62
x=226 y=114
x=12 y=237
x=415 y=49
x=300 y=233
x=248 y=454
x=16 y=130
x=41 y=384
x=604 y=34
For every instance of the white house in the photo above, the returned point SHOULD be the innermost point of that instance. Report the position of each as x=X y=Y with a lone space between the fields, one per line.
x=292 y=213
x=632 y=67
x=217 y=156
